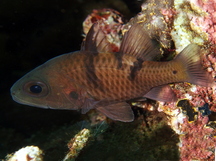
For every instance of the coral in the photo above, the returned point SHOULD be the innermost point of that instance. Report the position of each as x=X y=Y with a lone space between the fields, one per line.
x=110 y=22
x=53 y=142
x=184 y=30
x=198 y=141
x=190 y=119
x=156 y=17
x=77 y=143
x=193 y=24
x=29 y=153
x=206 y=22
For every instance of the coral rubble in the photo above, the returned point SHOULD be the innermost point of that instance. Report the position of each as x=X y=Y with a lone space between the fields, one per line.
x=77 y=143
x=29 y=153
x=110 y=22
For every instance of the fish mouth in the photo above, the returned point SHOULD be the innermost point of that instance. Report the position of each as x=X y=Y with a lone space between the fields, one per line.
x=23 y=102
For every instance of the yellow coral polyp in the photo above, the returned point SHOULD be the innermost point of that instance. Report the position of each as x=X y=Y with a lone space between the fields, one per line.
x=77 y=143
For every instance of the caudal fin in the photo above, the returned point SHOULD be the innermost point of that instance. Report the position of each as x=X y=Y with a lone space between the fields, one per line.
x=191 y=59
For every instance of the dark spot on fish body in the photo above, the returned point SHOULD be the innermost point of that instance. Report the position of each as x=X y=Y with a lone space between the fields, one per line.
x=175 y=72
x=118 y=57
x=137 y=66
x=74 y=95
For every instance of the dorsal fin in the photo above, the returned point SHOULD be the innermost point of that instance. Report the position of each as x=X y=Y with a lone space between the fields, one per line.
x=136 y=42
x=95 y=40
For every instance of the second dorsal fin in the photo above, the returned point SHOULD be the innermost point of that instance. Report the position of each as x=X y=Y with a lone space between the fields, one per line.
x=136 y=42
x=95 y=40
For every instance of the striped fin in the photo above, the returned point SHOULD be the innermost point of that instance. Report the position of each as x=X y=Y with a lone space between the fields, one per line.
x=136 y=42
x=95 y=40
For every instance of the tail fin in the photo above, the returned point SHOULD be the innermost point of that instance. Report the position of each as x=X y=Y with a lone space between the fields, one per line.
x=191 y=59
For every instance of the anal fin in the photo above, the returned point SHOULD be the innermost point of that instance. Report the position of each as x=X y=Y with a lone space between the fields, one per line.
x=162 y=93
x=120 y=111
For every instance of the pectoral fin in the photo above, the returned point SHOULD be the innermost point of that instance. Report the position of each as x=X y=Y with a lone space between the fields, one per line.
x=88 y=105
x=120 y=111
x=162 y=93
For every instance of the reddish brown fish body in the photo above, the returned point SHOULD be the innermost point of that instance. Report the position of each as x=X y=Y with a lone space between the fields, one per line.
x=107 y=78
x=96 y=78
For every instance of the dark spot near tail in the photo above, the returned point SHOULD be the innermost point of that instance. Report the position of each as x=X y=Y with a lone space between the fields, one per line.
x=175 y=72
x=74 y=95
x=137 y=66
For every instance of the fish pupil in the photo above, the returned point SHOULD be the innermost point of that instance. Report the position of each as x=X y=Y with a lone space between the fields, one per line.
x=36 y=89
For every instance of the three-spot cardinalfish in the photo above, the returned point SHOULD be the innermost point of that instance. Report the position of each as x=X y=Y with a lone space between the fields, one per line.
x=96 y=78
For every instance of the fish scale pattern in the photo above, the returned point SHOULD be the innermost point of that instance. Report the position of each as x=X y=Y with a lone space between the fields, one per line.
x=112 y=75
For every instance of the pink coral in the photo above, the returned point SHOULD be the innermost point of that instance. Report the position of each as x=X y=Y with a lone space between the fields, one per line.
x=197 y=141
x=110 y=22
x=168 y=14
x=207 y=22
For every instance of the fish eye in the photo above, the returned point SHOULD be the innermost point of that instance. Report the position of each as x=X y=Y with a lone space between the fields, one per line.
x=35 y=88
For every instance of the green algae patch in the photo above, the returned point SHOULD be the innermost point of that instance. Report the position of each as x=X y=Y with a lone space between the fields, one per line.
x=144 y=139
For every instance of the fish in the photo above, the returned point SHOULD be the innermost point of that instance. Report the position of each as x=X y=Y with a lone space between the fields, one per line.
x=97 y=78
